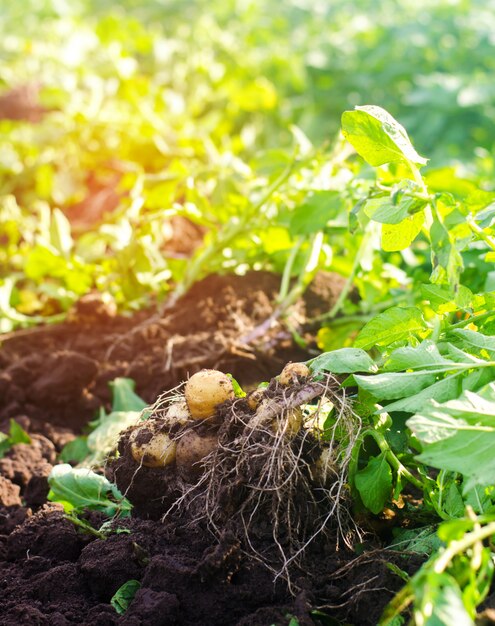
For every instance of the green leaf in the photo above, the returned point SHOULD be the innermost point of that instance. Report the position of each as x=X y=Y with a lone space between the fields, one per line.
x=378 y=137
x=385 y=211
x=459 y=436
x=444 y=299
x=397 y=237
x=440 y=602
x=17 y=434
x=476 y=339
x=343 y=361
x=394 y=385
x=313 y=215
x=75 y=451
x=4 y=444
x=422 y=540
x=394 y=324
x=124 y=398
x=105 y=436
x=374 y=483
x=424 y=356
x=446 y=259
x=238 y=390
x=441 y=391
x=83 y=489
x=124 y=595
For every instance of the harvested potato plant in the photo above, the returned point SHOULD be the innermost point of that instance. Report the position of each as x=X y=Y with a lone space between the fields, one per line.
x=259 y=473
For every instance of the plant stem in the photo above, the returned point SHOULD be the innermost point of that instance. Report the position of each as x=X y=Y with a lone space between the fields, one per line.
x=84 y=526
x=477 y=230
x=393 y=461
x=350 y=280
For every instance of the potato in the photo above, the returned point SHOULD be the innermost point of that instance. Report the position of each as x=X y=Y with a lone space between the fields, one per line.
x=205 y=391
x=255 y=398
x=294 y=422
x=291 y=421
x=292 y=372
x=324 y=468
x=178 y=413
x=191 y=450
x=151 y=446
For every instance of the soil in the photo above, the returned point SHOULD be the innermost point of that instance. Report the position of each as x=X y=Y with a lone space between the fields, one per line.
x=53 y=380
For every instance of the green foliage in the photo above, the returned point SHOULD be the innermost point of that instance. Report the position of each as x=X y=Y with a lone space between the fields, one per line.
x=124 y=595
x=16 y=435
x=127 y=409
x=81 y=489
x=378 y=137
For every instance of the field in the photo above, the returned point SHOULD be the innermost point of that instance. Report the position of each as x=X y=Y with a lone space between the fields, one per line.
x=247 y=313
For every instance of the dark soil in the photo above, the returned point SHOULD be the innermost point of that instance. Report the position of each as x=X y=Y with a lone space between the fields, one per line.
x=52 y=381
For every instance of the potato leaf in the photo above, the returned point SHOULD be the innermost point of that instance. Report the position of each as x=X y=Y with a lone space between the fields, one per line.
x=456 y=432
x=314 y=213
x=16 y=435
x=124 y=595
x=476 y=340
x=374 y=483
x=441 y=391
x=343 y=361
x=394 y=385
x=396 y=237
x=124 y=397
x=106 y=435
x=424 y=356
x=394 y=324
x=378 y=137
x=84 y=489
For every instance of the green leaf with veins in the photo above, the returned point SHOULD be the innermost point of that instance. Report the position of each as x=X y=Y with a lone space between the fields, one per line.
x=84 y=489
x=394 y=385
x=394 y=324
x=314 y=213
x=444 y=299
x=476 y=339
x=343 y=361
x=423 y=356
x=456 y=432
x=124 y=595
x=378 y=137
x=374 y=483
x=441 y=391
x=397 y=237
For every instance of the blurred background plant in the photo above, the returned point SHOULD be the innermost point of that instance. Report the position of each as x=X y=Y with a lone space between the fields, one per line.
x=136 y=135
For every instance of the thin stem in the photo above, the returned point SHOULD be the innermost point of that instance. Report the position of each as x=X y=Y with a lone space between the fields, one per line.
x=474 y=319
x=480 y=233
x=84 y=526
x=350 y=279
x=393 y=460
x=286 y=276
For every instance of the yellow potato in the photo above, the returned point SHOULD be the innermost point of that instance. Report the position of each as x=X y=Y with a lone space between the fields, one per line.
x=292 y=372
x=178 y=413
x=205 y=391
x=191 y=450
x=255 y=398
x=152 y=447
x=293 y=419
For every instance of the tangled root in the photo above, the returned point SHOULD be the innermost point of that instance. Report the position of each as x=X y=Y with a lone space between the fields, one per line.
x=277 y=487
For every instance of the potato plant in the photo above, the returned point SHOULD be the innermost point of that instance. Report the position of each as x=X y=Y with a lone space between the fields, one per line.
x=235 y=462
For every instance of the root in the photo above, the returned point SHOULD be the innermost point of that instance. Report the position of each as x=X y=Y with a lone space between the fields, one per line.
x=268 y=484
